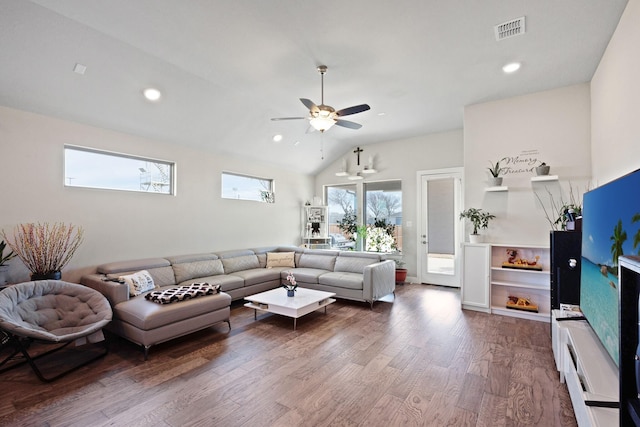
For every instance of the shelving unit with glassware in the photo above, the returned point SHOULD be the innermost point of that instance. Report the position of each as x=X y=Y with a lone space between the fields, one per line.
x=315 y=232
x=525 y=282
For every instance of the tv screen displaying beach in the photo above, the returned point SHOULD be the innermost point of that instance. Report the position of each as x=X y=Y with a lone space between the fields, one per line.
x=610 y=228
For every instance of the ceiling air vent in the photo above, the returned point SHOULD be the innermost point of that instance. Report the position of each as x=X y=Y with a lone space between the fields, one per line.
x=512 y=28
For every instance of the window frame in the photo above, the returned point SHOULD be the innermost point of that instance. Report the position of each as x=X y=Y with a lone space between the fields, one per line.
x=266 y=196
x=171 y=164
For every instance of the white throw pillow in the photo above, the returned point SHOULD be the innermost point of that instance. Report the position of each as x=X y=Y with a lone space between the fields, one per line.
x=280 y=259
x=138 y=282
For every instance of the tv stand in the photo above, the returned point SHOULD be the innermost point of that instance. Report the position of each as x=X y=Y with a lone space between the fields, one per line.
x=590 y=374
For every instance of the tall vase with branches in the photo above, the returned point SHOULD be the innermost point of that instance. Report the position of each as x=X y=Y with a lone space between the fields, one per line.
x=45 y=249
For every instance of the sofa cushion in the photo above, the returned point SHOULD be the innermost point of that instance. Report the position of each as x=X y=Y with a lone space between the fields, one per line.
x=147 y=315
x=244 y=262
x=138 y=282
x=259 y=275
x=342 y=279
x=353 y=264
x=227 y=282
x=159 y=268
x=195 y=269
x=133 y=265
x=317 y=261
x=280 y=259
x=304 y=275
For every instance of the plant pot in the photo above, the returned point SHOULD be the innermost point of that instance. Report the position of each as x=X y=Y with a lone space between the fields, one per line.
x=54 y=275
x=495 y=181
x=543 y=170
x=401 y=275
x=291 y=293
x=475 y=238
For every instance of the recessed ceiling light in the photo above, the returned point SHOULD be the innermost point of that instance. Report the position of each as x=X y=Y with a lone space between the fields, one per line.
x=277 y=138
x=511 y=68
x=152 y=94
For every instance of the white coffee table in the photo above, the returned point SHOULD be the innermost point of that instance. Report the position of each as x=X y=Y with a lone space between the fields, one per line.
x=276 y=301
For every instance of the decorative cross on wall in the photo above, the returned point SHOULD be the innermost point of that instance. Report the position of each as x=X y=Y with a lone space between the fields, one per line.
x=357 y=151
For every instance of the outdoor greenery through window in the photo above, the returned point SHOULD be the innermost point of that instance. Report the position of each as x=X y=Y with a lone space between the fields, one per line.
x=342 y=203
x=244 y=187
x=87 y=167
x=381 y=226
x=383 y=216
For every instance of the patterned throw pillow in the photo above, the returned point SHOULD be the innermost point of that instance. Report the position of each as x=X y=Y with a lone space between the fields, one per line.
x=138 y=283
x=280 y=259
x=182 y=293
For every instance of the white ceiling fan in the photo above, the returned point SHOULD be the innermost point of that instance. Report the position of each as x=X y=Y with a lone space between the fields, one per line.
x=322 y=117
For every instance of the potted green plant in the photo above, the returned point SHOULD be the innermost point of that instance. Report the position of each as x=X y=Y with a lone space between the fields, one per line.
x=495 y=180
x=479 y=220
x=45 y=248
x=401 y=272
x=543 y=169
x=3 y=262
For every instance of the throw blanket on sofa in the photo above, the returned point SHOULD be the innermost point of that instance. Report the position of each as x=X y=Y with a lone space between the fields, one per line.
x=182 y=293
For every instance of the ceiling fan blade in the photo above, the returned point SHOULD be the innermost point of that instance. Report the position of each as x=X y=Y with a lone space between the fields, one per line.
x=309 y=104
x=287 y=118
x=353 y=110
x=348 y=124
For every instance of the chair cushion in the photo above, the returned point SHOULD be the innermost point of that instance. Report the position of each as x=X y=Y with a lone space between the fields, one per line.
x=53 y=310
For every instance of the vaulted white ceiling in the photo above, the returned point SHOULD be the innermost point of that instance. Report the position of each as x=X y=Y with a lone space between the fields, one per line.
x=227 y=67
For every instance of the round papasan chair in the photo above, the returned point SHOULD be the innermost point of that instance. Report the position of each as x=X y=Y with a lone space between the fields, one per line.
x=52 y=312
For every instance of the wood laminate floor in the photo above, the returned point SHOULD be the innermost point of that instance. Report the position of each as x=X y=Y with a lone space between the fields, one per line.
x=420 y=360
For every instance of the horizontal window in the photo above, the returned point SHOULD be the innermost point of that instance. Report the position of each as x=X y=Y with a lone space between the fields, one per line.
x=244 y=187
x=86 y=167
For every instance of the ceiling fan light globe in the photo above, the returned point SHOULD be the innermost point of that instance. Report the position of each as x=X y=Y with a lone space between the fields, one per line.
x=322 y=123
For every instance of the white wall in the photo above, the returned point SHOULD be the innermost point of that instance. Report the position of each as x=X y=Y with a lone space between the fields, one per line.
x=401 y=160
x=551 y=126
x=125 y=225
x=615 y=102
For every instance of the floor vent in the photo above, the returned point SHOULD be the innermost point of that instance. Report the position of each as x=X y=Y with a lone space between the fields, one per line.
x=512 y=28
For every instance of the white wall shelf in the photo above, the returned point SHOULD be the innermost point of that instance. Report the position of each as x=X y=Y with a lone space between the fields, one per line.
x=315 y=234
x=487 y=285
x=542 y=178
x=523 y=283
x=496 y=189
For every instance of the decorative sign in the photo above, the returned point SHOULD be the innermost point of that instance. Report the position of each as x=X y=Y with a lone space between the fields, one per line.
x=523 y=163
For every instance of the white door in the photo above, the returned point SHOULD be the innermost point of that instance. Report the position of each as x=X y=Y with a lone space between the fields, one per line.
x=439 y=241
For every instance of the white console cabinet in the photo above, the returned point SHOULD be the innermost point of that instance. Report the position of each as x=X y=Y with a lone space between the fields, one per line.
x=475 y=293
x=587 y=369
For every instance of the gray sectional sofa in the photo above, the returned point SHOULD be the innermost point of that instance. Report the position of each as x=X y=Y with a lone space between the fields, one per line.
x=360 y=276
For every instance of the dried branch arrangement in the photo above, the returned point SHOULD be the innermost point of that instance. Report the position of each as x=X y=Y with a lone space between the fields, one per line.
x=45 y=248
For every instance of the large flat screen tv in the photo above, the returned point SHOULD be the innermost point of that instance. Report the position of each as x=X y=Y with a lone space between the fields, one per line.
x=610 y=228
